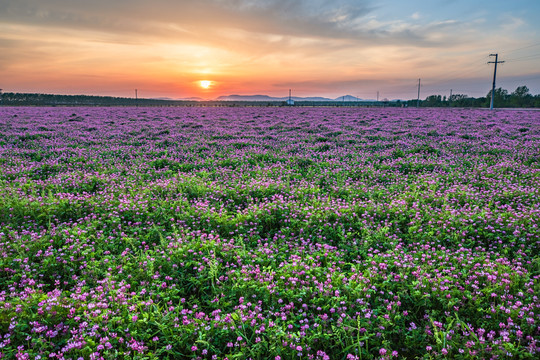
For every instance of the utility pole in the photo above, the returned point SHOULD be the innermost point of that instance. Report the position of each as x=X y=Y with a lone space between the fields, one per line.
x=418 y=99
x=136 y=99
x=377 y=96
x=494 y=77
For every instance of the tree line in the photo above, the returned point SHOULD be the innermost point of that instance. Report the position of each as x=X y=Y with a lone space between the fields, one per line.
x=520 y=98
x=26 y=99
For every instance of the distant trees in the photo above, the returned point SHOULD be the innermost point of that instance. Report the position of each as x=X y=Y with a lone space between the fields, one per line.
x=456 y=100
x=433 y=101
x=500 y=97
x=27 y=99
x=462 y=100
x=521 y=97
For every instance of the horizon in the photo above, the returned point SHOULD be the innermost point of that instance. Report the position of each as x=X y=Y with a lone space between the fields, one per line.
x=213 y=48
x=255 y=98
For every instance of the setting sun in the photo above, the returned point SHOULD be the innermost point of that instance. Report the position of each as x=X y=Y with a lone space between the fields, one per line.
x=205 y=84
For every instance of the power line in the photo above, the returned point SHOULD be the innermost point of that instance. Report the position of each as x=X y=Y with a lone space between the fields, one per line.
x=524 y=58
x=522 y=48
x=418 y=99
x=449 y=76
x=494 y=76
x=458 y=74
x=461 y=76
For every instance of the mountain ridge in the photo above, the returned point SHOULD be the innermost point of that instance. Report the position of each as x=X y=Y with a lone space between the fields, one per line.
x=260 y=97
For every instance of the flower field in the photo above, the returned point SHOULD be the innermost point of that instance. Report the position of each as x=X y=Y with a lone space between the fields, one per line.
x=269 y=233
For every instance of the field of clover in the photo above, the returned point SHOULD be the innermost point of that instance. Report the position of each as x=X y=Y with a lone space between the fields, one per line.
x=269 y=233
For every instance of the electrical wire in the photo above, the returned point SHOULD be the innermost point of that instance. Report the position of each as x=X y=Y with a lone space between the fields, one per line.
x=521 y=48
x=452 y=75
x=524 y=58
x=462 y=75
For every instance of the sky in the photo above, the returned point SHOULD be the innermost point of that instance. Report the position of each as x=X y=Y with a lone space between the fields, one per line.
x=167 y=48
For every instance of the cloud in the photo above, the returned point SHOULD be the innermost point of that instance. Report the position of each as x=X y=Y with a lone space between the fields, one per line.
x=316 y=43
x=293 y=17
x=512 y=23
x=204 y=20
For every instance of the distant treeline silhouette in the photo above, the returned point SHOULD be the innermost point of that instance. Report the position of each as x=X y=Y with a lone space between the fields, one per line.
x=25 y=99
x=520 y=98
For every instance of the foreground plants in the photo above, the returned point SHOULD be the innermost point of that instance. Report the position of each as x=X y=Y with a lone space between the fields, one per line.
x=266 y=233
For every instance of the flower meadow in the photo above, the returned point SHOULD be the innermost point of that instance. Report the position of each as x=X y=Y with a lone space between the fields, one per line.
x=269 y=233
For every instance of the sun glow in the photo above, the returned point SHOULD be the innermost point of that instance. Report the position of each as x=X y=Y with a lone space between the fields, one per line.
x=205 y=84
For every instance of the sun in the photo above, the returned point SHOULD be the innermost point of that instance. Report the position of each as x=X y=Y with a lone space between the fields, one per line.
x=205 y=84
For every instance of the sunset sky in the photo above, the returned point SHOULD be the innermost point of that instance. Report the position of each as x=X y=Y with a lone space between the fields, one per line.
x=165 y=48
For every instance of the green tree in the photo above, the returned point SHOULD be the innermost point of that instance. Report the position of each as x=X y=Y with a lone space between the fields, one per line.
x=432 y=100
x=501 y=98
x=459 y=100
x=536 y=101
x=521 y=97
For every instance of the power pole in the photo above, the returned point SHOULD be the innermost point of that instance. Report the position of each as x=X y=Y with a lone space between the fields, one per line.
x=494 y=77
x=377 y=96
x=136 y=99
x=418 y=99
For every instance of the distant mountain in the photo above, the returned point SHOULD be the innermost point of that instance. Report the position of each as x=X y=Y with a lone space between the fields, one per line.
x=247 y=98
x=193 y=98
x=285 y=98
x=348 y=98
